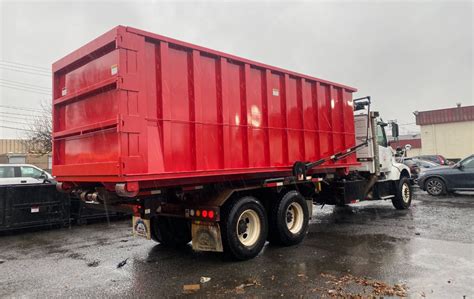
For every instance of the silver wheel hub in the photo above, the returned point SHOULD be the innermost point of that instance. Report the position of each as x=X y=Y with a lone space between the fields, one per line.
x=434 y=186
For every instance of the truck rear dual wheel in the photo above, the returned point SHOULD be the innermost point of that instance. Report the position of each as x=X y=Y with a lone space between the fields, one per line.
x=289 y=220
x=403 y=194
x=170 y=232
x=243 y=228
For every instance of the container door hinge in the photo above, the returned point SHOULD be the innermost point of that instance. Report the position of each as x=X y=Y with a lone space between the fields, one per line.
x=131 y=124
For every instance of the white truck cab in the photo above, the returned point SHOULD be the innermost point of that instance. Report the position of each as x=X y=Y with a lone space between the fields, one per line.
x=378 y=158
x=21 y=174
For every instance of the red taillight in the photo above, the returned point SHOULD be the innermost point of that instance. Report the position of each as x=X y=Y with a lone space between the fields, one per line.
x=211 y=214
x=136 y=210
x=204 y=213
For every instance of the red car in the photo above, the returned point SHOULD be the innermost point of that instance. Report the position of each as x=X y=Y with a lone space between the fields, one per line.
x=435 y=158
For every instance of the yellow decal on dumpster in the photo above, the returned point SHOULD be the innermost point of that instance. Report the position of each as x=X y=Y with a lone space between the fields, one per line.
x=141 y=227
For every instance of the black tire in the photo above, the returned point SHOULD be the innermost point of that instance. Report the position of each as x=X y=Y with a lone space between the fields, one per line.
x=170 y=232
x=282 y=216
x=239 y=220
x=403 y=194
x=80 y=221
x=435 y=186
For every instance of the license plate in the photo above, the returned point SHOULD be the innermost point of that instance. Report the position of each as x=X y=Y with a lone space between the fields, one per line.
x=141 y=227
x=35 y=209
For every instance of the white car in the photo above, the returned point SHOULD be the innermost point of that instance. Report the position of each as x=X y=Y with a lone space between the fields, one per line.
x=19 y=174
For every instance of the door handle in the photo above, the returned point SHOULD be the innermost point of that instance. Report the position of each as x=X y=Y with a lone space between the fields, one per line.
x=22 y=182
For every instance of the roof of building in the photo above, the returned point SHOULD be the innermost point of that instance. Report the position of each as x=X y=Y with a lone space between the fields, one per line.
x=442 y=116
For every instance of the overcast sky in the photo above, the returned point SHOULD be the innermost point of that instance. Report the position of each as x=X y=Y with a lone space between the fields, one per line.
x=407 y=55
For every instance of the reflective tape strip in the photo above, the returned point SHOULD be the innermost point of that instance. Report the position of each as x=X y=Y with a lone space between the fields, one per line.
x=273 y=184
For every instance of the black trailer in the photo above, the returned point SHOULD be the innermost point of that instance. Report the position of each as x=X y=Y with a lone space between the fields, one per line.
x=35 y=205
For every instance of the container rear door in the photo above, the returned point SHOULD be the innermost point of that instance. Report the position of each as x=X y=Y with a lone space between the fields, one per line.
x=96 y=132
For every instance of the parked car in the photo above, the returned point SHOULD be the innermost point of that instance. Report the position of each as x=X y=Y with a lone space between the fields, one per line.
x=18 y=174
x=435 y=158
x=418 y=166
x=441 y=180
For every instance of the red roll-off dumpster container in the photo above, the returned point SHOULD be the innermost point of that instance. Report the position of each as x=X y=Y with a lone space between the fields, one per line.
x=136 y=106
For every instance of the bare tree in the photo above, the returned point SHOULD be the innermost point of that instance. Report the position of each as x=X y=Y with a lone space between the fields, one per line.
x=39 y=136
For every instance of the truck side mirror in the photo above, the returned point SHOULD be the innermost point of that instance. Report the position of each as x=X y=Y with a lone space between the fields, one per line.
x=395 y=133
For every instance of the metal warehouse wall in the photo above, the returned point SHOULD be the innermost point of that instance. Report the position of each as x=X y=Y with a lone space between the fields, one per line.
x=15 y=146
x=18 y=148
x=452 y=140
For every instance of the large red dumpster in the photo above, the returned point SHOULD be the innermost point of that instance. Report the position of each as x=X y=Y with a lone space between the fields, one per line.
x=133 y=106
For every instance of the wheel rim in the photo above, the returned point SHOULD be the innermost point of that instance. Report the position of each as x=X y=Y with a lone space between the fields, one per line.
x=248 y=228
x=434 y=187
x=294 y=218
x=406 y=193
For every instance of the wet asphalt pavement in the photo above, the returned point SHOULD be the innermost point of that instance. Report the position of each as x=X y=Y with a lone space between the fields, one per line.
x=429 y=249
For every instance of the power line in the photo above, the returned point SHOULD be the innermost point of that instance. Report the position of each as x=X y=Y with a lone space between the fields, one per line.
x=16 y=117
x=16 y=122
x=23 y=68
x=24 y=71
x=22 y=84
x=20 y=108
x=13 y=128
x=23 y=89
x=6 y=84
x=13 y=113
x=26 y=65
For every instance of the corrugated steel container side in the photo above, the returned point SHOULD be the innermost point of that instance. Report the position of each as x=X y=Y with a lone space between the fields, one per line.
x=132 y=105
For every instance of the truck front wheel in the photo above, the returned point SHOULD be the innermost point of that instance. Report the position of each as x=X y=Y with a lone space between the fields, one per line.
x=170 y=232
x=289 y=220
x=244 y=228
x=403 y=194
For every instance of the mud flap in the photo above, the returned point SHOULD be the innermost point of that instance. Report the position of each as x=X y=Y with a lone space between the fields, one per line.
x=309 y=203
x=206 y=236
x=141 y=227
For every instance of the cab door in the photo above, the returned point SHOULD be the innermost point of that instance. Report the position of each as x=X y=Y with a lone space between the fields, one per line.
x=385 y=152
x=9 y=175
x=31 y=175
x=463 y=176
